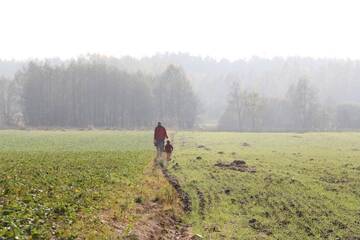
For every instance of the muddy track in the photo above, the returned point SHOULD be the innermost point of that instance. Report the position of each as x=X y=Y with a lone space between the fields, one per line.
x=184 y=196
x=202 y=203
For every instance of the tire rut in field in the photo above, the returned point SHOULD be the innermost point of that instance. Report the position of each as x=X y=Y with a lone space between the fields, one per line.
x=202 y=203
x=184 y=196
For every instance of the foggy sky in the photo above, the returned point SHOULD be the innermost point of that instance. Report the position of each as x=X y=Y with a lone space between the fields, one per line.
x=220 y=29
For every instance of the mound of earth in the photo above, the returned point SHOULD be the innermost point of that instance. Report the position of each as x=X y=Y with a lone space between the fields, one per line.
x=203 y=147
x=238 y=165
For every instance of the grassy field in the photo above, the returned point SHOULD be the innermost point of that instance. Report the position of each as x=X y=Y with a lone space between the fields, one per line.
x=306 y=186
x=58 y=185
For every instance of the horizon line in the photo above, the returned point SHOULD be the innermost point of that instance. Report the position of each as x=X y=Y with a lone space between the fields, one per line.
x=202 y=57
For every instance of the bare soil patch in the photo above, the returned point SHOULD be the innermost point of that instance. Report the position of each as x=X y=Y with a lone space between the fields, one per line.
x=237 y=165
x=158 y=223
x=155 y=223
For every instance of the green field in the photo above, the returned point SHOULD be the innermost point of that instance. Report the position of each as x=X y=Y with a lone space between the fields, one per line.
x=307 y=186
x=56 y=184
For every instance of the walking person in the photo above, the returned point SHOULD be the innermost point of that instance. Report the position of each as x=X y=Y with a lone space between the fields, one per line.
x=159 y=140
x=168 y=149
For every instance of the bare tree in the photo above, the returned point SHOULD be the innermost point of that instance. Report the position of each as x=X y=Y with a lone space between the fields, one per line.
x=175 y=101
x=254 y=106
x=4 y=113
x=303 y=100
x=236 y=102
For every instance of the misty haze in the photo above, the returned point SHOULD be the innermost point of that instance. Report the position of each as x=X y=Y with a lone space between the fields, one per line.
x=278 y=94
x=180 y=120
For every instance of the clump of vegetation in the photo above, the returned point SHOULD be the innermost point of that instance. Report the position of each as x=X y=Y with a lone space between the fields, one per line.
x=139 y=200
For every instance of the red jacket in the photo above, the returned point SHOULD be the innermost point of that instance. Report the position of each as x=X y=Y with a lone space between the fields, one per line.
x=160 y=133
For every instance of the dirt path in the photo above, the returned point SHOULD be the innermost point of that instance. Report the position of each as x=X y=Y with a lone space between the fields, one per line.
x=155 y=223
x=156 y=219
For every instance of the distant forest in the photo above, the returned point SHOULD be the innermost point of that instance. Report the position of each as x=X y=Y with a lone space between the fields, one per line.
x=183 y=91
x=92 y=94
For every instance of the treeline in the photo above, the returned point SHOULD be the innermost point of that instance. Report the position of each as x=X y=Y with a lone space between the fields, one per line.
x=300 y=110
x=128 y=93
x=337 y=81
x=87 y=93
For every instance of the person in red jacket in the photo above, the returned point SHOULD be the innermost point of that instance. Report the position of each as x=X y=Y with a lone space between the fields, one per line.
x=159 y=139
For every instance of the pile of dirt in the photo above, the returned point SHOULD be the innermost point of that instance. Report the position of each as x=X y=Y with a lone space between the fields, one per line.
x=184 y=196
x=238 y=165
x=203 y=147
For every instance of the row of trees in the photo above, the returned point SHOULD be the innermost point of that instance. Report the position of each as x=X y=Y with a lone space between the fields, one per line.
x=300 y=110
x=101 y=92
x=92 y=93
x=337 y=80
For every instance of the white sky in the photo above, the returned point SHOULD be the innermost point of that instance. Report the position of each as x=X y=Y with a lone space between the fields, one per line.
x=220 y=29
